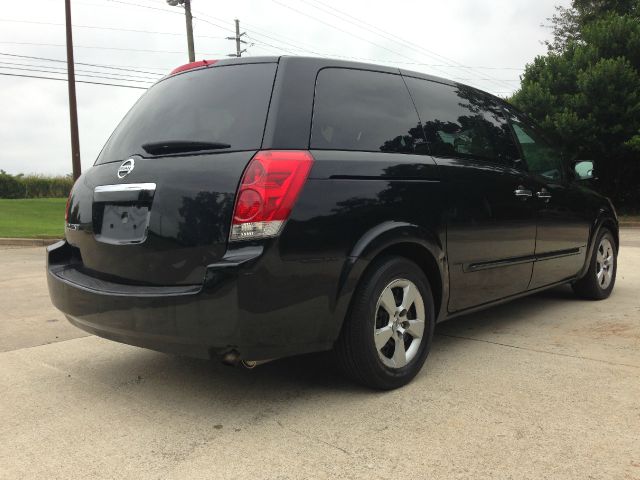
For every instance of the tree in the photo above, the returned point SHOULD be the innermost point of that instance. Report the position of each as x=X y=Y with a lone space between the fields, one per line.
x=586 y=91
x=568 y=22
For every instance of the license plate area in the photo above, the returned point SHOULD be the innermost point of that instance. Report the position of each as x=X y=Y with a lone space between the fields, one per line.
x=121 y=212
x=121 y=224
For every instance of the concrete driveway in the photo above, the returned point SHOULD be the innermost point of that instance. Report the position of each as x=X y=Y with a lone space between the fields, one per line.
x=544 y=387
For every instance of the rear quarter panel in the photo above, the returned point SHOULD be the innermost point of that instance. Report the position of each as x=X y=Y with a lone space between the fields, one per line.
x=354 y=205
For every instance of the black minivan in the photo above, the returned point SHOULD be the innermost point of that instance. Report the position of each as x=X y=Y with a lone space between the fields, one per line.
x=254 y=208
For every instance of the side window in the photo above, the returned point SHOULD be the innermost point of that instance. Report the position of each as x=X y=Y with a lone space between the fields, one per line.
x=460 y=122
x=541 y=158
x=365 y=111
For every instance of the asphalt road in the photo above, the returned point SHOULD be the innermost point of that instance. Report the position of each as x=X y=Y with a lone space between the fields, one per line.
x=543 y=387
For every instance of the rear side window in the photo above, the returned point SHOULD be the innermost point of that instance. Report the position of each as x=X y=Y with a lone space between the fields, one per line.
x=226 y=104
x=460 y=122
x=365 y=111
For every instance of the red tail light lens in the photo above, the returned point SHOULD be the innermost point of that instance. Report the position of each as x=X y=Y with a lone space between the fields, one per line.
x=268 y=191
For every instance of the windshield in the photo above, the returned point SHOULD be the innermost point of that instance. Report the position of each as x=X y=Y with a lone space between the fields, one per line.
x=223 y=105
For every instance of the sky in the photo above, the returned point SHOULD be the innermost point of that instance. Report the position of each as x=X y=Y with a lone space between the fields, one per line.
x=478 y=42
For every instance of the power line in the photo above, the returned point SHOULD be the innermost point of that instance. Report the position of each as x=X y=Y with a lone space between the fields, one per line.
x=367 y=40
x=111 y=67
x=79 y=74
x=254 y=31
x=144 y=6
x=99 y=48
x=64 y=80
x=274 y=37
x=376 y=30
x=262 y=44
x=96 y=27
x=200 y=19
x=277 y=48
x=126 y=68
x=286 y=43
x=344 y=31
x=64 y=69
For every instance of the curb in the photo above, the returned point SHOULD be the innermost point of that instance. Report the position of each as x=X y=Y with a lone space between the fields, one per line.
x=629 y=224
x=28 y=242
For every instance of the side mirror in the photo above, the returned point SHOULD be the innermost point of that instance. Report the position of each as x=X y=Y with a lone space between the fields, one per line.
x=584 y=170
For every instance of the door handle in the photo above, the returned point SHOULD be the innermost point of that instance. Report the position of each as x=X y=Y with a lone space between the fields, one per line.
x=544 y=194
x=522 y=192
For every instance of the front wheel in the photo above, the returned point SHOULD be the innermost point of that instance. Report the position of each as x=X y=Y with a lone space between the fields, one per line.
x=386 y=338
x=598 y=283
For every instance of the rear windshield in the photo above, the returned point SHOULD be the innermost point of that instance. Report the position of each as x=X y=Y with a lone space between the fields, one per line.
x=226 y=104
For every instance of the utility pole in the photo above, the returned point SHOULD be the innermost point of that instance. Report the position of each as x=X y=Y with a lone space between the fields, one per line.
x=238 y=40
x=73 y=106
x=189 y=20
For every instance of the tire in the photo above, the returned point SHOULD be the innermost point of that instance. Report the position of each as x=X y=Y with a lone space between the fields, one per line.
x=380 y=365
x=600 y=279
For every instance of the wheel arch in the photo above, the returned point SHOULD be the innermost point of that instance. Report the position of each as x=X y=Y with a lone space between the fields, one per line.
x=419 y=245
x=604 y=220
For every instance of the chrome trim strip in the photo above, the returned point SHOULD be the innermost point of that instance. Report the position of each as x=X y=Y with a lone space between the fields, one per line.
x=474 y=267
x=126 y=187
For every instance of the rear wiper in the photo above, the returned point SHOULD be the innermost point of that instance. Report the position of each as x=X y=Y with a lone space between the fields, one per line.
x=181 y=146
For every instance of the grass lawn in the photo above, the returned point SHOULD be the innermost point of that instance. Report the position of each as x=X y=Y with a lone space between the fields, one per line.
x=32 y=218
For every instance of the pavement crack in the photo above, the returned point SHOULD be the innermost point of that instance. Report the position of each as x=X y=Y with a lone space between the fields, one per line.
x=312 y=438
x=579 y=357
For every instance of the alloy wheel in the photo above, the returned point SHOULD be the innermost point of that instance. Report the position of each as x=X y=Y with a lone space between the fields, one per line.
x=604 y=263
x=399 y=323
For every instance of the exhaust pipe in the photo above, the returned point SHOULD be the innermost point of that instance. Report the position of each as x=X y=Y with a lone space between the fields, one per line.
x=232 y=358
x=251 y=364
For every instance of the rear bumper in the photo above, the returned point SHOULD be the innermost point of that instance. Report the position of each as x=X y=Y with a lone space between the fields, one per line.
x=205 y=321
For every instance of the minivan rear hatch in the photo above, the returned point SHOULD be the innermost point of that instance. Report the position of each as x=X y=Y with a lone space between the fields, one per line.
x=156 y=208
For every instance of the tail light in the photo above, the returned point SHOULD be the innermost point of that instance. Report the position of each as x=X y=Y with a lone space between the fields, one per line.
x=268 y=191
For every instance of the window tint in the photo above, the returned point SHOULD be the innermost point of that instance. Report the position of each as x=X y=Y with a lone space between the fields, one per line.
x=363 y=110
x=541 y=158
x=461 y=122
x=218 y=104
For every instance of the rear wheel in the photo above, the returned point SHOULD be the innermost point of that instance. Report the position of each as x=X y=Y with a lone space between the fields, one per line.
x=598 y=283
x=387 y=335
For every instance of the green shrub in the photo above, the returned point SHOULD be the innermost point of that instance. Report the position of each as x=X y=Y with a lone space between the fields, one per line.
x=10 y=186
x=34 y=186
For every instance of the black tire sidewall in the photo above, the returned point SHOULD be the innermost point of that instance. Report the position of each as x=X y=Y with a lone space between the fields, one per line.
x=383 y=274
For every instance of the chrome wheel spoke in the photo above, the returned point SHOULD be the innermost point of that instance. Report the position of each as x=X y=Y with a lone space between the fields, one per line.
x=399 y=353
x=382 y=336
x=408 y=296
x=415 y=328
x=388 y=302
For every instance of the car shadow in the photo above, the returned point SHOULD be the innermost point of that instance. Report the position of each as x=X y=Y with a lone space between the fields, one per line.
x=200 y=385
x=508 y=314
